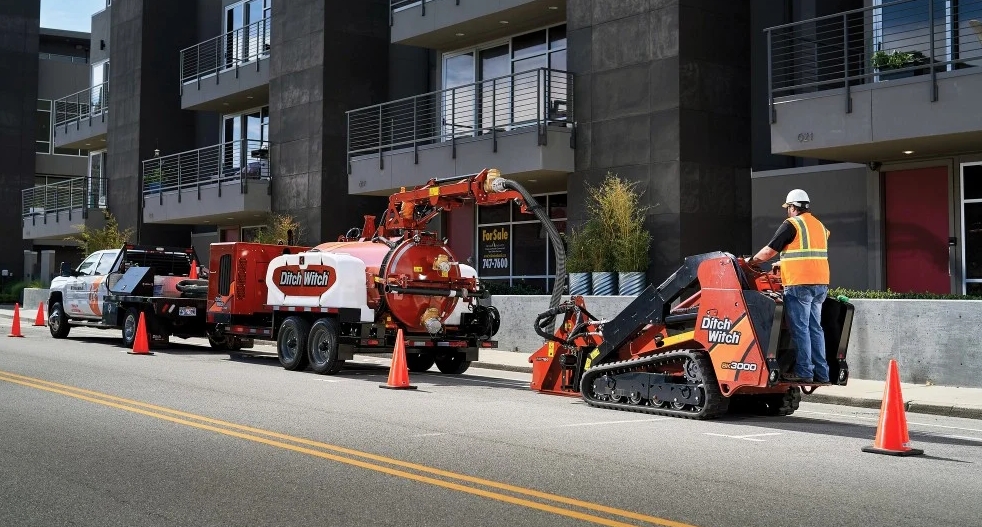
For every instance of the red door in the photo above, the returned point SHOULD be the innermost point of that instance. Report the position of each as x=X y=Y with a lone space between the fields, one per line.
x=916 y=230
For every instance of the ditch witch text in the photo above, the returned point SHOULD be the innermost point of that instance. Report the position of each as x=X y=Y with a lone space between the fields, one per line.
x=305 y=278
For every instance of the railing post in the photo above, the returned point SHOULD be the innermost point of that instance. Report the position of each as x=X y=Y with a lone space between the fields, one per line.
x=770 y=81
x=415 y=144
x=494 y=115
x=160 y=184
x=453 y=121
x=347 y=140
x=934 y=74
x=381 y=161
x=845 y=60
x=180 y=189
x=197 y=171
x=197 y=63
x=57 y=212
x=570 y=113
x=180 y=76
x=538 y=107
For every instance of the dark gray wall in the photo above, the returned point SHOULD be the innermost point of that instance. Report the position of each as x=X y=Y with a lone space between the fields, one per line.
x=839 y=200
x=660 y=103
x=325 y=62
x=208 y=124
x=101 y=27
x=63 y=42
x=147 y=37
x=57 y=79
x=19 y=23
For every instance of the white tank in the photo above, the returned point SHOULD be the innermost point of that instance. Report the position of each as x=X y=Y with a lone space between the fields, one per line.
x=318 y=279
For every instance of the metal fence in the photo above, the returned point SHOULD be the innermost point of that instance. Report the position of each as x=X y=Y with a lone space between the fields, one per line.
x=80 y=193
x=904 y=38
x=538 y=98
x=235 y=161
x=86 y=104
x=226 y=51
x=396 y=5
x=63 y=58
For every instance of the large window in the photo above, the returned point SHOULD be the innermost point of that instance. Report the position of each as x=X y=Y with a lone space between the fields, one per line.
x=247 y=31
x=245 y=138
x=513 y=248
x=43 y=139
x=971 y=180
x=905 y=26
x=475 y=101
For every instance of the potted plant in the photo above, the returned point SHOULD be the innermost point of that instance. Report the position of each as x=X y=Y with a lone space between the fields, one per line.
x=632 y=257
x=152 y=180
x=884 y=61
x=578 y=263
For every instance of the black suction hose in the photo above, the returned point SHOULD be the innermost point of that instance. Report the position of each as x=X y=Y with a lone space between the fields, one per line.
x=557 y=245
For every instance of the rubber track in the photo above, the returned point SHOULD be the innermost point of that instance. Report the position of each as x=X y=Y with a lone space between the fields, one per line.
x=715 y=404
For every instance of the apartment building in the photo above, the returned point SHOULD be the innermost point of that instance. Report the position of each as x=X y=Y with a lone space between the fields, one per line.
x=319 y=109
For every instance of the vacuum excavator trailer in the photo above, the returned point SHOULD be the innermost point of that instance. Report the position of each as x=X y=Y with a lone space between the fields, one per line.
x=711 y=338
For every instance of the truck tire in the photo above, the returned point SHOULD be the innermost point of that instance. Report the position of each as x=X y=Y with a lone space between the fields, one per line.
x=58 y=322
x=291 y=343
x=452 y=363
x=419 y=362
x=131 y=323
x=322 y=347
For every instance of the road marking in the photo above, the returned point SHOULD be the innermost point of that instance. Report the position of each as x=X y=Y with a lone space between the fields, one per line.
x=609 y=422
x=749 y=437
x=328 y=380
x=431 y=434
x=230 y=430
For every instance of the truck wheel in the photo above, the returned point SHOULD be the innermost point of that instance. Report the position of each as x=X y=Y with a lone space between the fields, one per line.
x=219 y=343
x=291 y=343
x=453 y=364
x=322 y=347
x=58 y=322
x=419 y=362
x=130 y=324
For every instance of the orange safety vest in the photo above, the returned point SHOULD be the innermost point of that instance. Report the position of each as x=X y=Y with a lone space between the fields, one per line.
x=805 y=261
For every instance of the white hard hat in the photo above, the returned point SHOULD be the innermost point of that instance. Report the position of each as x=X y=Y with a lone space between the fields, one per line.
x=796 y=197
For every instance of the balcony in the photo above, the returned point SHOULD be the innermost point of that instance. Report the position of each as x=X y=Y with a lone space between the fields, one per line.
x=229 y=72
x=80 y=119
x=55 y=211
x=224 y=183
x=446 y=24
x=522 y=124
x=876 y=84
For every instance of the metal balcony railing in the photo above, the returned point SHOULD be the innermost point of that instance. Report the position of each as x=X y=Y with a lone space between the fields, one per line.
x=226 y=52
x=539 y=98
x=398 y=5
x=903 y=38
x=236 y=161
x=63 y=58
x=80 y=193
x=79 y=106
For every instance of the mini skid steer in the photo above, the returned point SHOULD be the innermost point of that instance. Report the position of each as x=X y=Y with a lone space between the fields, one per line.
x=709 y=340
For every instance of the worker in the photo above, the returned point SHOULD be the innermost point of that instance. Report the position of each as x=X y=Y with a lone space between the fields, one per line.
x=802 y=242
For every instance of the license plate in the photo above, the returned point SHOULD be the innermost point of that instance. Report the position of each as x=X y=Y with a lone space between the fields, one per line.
x=188 y=311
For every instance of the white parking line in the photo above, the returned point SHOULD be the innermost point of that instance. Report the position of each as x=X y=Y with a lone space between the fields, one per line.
x=749 y=437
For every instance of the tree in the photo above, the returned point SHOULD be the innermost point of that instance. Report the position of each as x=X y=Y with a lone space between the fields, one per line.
x=109 y=237
x=278 y=228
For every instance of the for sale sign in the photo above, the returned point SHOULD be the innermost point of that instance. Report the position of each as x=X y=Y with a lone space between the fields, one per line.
x=494 y=250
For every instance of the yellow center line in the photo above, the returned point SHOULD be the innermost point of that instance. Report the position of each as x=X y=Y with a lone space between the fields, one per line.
x=160 y=413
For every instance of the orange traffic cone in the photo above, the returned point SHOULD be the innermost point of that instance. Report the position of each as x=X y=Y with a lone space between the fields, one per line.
x=15 y=328
x=39 y=320
x=194 y=270
x=399 y=371
x=891 y=432
x=140 y=344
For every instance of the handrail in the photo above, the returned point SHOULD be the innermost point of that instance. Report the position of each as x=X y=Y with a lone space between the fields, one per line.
x=83 y=104
x=226 y=51
x=540 y=97
x=75 y=193
x=872 y=44
x=234 y=161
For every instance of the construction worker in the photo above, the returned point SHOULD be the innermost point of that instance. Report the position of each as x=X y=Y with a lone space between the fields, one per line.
x=802 y=242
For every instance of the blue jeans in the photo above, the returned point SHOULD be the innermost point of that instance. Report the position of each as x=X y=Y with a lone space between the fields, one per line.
x=803 y=306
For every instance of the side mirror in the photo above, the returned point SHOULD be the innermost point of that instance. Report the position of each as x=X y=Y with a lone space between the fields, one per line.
x=65 y=269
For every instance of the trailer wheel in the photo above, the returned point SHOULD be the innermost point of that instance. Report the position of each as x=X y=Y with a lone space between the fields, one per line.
x=452 y=363
x=322 y=347
x=58 y=322
x=291 y=343
x=419 y=362
x=130 y=325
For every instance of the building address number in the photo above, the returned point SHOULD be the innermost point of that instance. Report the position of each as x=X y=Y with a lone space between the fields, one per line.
x=805 y=137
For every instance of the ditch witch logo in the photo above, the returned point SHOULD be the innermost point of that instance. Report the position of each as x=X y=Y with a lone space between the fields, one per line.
x=720 y=330
x=305 y=278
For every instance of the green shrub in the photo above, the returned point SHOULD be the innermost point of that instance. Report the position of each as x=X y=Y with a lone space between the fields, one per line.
x=893 y=295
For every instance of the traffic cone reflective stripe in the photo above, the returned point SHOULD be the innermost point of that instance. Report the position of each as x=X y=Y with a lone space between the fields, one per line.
x=892 y=437
x=15 y=327
x=140 y=344
x=399 y=370
x=39 y=320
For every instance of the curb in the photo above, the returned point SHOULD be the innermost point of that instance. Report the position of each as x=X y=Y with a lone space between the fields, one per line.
x=909 y=406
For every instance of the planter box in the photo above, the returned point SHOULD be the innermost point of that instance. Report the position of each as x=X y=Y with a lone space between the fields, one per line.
x=32 y=297
x=934 y=341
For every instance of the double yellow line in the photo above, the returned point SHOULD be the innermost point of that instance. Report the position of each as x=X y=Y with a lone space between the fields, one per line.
x=393 y=467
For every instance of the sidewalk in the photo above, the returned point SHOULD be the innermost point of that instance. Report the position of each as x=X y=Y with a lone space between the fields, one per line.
x=918 y=398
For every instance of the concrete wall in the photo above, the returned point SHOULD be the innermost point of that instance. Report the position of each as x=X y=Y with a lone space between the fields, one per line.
x=518 y=316
x=18 y=106
x=56 y=78
x=839 y=199
x=660 y=103
x=59 y=165
x=100 y=31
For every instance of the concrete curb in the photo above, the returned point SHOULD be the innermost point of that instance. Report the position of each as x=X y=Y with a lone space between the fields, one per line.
x=909 y=406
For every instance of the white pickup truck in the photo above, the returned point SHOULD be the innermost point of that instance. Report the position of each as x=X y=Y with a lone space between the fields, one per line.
x=110 y=289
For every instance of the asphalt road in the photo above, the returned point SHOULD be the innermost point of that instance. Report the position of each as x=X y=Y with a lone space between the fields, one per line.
x=90 y=435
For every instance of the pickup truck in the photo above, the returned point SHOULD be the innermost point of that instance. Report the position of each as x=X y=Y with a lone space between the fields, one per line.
x=110 y=289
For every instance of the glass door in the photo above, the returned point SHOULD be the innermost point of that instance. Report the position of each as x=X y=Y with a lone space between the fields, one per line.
x=246 y=32
x=96 y=187
x=905 y=26
x=100 y=75
x=459 y=97
x=495 y=88
x=971 y=181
